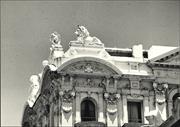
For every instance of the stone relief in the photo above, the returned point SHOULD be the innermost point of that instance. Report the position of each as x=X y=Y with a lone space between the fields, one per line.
x=68 y=96
x=112 y=109
x=89 y=67
x=89 y=83
x=160 y=90
x=111 y=98
x=84 y=38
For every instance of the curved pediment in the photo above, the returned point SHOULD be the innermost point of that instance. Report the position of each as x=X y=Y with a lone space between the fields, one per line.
x=89 y=65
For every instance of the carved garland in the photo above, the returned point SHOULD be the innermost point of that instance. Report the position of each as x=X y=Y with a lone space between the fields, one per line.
x=67 y=97
x=111 y=99
x=160 y=90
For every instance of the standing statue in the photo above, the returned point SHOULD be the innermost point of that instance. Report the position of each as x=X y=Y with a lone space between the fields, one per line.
x=84 y=37
x=34 y=92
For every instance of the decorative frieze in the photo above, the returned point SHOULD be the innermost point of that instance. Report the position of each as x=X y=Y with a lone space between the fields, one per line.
x=89 y=67
x=67 y=95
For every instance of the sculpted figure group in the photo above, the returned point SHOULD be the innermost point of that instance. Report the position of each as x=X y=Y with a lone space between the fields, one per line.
x=84 y=37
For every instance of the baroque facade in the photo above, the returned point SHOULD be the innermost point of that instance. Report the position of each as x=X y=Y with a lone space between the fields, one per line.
x=91 y=85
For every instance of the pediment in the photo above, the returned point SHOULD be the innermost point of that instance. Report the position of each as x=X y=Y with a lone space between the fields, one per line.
x=172 y=56
x=173 y=60
x=88 y=67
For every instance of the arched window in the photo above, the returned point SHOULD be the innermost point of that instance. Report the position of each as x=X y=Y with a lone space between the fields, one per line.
x=174 y=98
x=88 y=110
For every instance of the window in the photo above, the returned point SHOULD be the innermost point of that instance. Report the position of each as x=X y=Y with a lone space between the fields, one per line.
x=175 y=98
x=134 y=112
x=88 y=111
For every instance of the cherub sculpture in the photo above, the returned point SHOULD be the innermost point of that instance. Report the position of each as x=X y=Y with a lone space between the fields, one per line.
x=84 y=37
x=35 y=86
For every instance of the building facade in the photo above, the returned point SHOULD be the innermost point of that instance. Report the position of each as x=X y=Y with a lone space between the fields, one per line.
x=91 y=85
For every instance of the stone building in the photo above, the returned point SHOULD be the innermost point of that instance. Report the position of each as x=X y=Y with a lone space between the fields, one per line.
x=91 y=85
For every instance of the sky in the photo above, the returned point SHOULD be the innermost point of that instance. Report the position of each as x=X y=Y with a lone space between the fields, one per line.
x=26 y=27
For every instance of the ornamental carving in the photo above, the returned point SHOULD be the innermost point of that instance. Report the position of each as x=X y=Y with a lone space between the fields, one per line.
x=67 y=96
x=160 y=90
x=56 y=50
x=112 y=109
x=55 y=39
x=89 y=67
x=67 y=107
x=111 y=98
x=89 y=83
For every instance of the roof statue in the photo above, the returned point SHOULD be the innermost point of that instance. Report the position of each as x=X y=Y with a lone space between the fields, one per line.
x=56 y=50
x=55 y=38
x=84 y=38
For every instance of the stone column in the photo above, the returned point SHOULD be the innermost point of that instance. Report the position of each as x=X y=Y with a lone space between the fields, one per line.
x=125 y=111
x=120 y=112
x=63 y=78
x=170 y=107
x=71 y=80
x=101 y=108
x=146 y=108
x=56 y=118
x=78 y=115
x=115 y=82
x=51 y=119
x=107 y=83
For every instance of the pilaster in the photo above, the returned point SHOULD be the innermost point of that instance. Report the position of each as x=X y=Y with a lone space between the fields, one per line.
x=78 y=115
x=146 y=108
x=125 y=112
x=101 y=108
